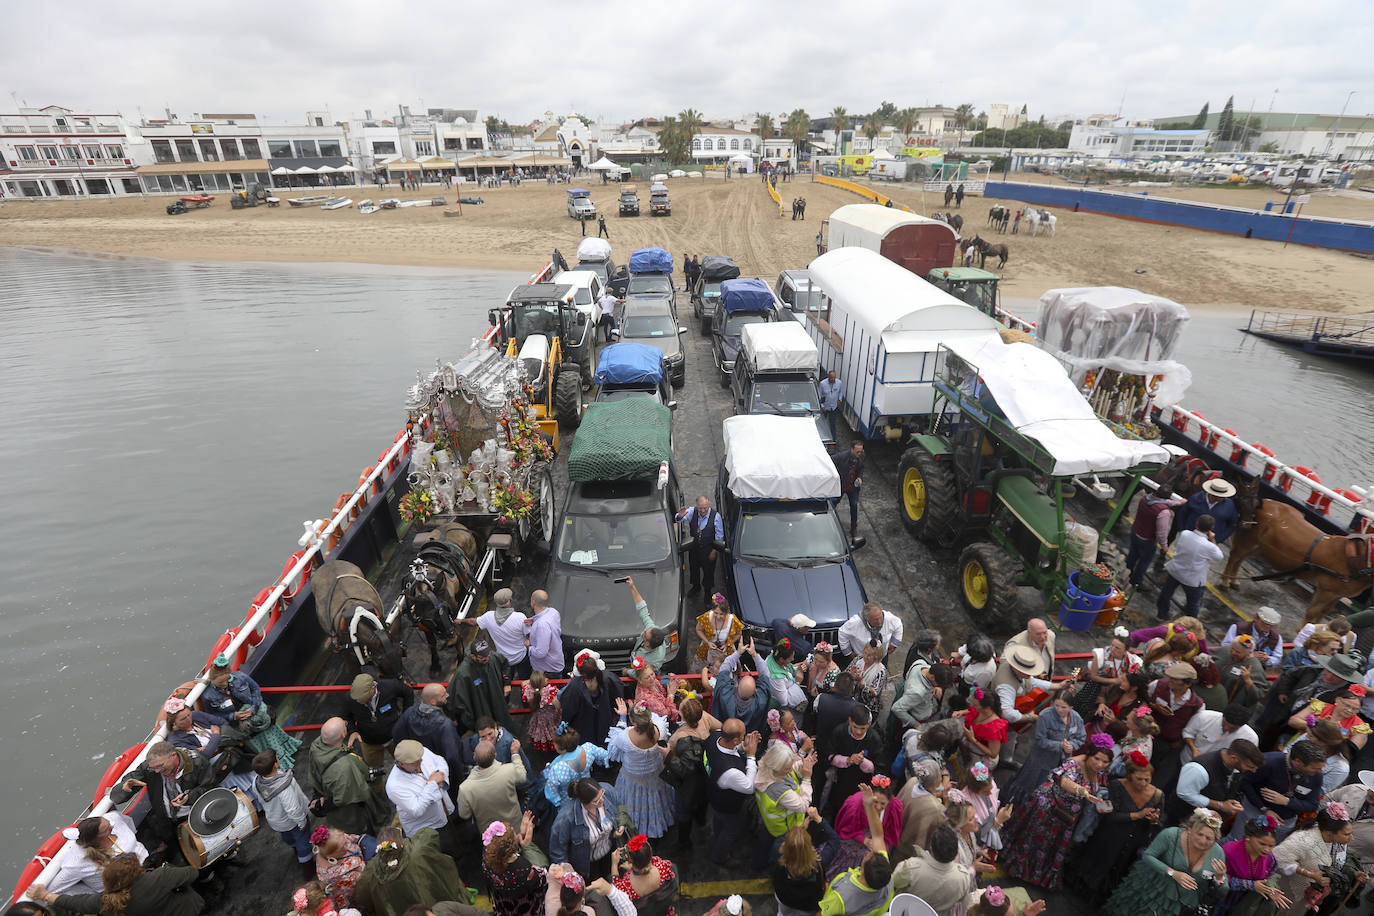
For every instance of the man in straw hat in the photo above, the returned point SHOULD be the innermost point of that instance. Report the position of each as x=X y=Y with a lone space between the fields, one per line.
x=1213 y=499
x=1022 y=670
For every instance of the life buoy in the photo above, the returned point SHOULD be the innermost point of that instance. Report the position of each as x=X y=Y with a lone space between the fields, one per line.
x=115 y=770
x=180 y=693
x=1270 y=468
x=255 y=636
x=1179 y=420
x=293 y=590
x=1348 y=494
x=39 y=861
x=375 y=486
x=1298 y=470
x=222 y=645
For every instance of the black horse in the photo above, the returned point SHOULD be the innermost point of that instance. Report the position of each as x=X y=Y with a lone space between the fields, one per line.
x=427 y=595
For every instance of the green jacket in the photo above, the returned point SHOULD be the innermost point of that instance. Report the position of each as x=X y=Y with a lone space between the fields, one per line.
x=350 y=804
x=422 y=874
x=163 y=891
x=478 y=690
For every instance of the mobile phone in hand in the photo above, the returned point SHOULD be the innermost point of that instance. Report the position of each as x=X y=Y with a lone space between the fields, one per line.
x=620 y=580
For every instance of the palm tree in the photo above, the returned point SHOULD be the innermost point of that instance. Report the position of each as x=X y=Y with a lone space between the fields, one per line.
x=797 y=127
x=675 y=142
x=690 y=122
x=839 y=119
x=873 y=125
x=963 y=116
x=908 y=119
x=766 y=126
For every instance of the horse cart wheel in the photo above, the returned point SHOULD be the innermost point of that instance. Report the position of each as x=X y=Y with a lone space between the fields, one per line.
x=536 y=529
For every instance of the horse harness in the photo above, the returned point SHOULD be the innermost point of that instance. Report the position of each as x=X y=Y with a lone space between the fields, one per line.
x=1359 y=559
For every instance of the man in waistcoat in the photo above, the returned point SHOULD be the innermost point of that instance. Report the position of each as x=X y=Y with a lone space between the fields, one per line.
x=706 y=530
x=1154 y=517
x=1213 y=780
x=730 y=768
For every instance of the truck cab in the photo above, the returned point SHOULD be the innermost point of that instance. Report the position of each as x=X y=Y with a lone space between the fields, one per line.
x=797 y=293
x=742 y=302
x=715 y=270
x=580 y=206
x=787 y=550
x=618 y=520
x=976 y=287
x=541 y=322
x=777 y=372
x=659 y=205
x=629 y=201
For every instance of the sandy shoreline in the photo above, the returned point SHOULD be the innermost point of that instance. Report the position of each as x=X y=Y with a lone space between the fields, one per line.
x=518 y=228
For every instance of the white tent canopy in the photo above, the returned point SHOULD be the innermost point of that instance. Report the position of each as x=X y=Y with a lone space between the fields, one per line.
x=326 y=170
x=881 y=153
x=304 y=170
x=772 y=457
x=779 y=346
x=603 y=165
x=345 y=168
x=282 y=170
x=1040 y=401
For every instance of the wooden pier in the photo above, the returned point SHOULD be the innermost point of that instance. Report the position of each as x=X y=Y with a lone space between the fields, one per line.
x=1341 y=336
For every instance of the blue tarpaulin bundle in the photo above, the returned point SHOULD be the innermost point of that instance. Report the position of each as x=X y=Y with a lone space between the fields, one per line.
x=627 y=363
x=746 y=295
x=651 y=261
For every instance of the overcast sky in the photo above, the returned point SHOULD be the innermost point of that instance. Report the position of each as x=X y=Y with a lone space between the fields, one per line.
x=621 y=61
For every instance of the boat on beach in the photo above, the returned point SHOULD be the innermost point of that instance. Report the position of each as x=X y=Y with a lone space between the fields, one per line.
x=367 y=206
x=389 y=203
x=337 y=203
x=312 y=201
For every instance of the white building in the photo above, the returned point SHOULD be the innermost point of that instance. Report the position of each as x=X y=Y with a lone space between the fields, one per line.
x=1006 y=117
x=56 y=152
x=1105 y=136
x=778 y=148
x=716 y=144
x=211 y=152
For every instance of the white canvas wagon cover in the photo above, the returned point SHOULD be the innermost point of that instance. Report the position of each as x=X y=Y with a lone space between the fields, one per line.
x=772 y=457
x=1040 y=401
x=779 y=346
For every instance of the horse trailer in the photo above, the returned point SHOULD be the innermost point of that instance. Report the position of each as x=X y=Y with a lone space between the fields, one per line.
x=880 y=328
x=915 y=242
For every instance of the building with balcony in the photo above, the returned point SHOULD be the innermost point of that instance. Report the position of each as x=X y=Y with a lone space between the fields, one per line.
x=717 y=144
x=54 y=152
x=211 y=152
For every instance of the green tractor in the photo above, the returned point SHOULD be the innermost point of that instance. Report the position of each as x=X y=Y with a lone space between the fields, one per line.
x=976 y=287
x=1010 y=436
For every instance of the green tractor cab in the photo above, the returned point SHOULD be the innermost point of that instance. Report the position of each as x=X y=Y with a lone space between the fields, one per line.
x=1012 y=434
x=976 y=287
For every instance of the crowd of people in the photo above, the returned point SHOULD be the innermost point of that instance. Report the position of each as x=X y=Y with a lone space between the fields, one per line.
x=1166 y=776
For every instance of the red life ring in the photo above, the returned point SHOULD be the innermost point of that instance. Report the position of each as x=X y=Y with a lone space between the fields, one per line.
x=115 y=770
x=220 y=645
x=375 y=487
x=293 y=590
x=1302 y=470
x=1270 y=469
x=1179 y=420
x=255 y=636
x=39 y=861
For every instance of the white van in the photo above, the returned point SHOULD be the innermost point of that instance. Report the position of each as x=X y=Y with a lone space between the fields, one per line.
x=586 y=289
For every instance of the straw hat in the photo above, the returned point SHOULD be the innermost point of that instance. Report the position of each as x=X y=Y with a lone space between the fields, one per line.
x=1219 y=488
x=1026 y=661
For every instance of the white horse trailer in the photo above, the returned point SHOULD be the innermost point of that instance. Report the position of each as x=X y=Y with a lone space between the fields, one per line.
x=879 y=327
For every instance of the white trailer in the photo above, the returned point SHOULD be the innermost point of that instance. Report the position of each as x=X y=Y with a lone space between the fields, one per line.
x=879 y=328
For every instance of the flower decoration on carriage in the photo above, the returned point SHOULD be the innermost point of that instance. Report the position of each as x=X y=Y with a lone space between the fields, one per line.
x=637 y=842
x=494 y=830
x=1103 y=741
x=417 y=506
x=510 y=502
x=1138 y=758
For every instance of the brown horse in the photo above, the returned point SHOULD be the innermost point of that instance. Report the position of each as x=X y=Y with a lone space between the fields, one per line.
x=1337 y=567
x=986 y=248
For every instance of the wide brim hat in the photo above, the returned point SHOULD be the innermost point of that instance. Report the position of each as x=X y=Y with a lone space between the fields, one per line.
x=1026 y=660
x=1219 y=488
x=1343 y=665
x=1367 y=778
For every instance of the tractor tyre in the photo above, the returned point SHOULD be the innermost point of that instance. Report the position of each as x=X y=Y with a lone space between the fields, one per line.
x=926 y=496
x=987 y=586
x=567 y=398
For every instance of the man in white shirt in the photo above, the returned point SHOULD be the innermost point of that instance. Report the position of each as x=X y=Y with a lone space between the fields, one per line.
x=731 y=767
x=869 y=624
x=418 y=787
x=1209 y=730
x=1193 y=551
x=606 y=314
x=506 y=627
x=1264 y=631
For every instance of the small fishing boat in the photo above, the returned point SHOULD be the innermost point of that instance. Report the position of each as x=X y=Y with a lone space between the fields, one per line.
x=337 y=203
x=307 y=201
x=390 y=203
x=414 y=203
x=367 y=206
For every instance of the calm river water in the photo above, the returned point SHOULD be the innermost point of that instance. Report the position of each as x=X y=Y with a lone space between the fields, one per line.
x=168 y=425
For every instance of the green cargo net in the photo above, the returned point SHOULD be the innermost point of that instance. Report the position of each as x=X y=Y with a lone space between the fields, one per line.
x=621 y=440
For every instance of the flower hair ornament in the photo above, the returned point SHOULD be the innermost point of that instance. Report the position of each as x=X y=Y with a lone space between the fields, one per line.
x=719 y=599
x=639 y=664
x=1143 y=710
x=734 y=904
x=774 y=719
x=979 y=772
x=1266 y=822
x=1208 y=817
x=1245 y=640
x=637 y=842
x=1358 y=690
x=978 y=693
x=1311 y=720
x=1338 y=811
x=1102 y=741
x=994 y=895
x=300 y=900
x=880 y=781
x=173 y=706
x=588 y=654
x=319 y=836
x=572 y=881
x=957 y=796
x=387 y=846
x=1138 y=758
x=1121 y=633
x=824 y=648
x=494 y=830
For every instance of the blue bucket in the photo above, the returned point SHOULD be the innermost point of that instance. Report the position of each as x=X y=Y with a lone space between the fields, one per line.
x=1079 y=612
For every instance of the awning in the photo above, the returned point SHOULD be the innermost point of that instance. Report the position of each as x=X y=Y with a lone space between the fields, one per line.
x=203 y=168
x=438 y=162
x=538 y=159
x=326 y=170
x=485 y=162
x=345 y=168
x=403 y=165
x=305 y=170
x=282 y=170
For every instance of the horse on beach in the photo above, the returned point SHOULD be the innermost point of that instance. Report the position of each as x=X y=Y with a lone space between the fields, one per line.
x=955 y=221
x=1336 y=566
x=998 y=217
x=1038 y=219
x=986 y=248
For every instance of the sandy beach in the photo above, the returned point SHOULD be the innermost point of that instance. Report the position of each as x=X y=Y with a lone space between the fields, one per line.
x=517 y=228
